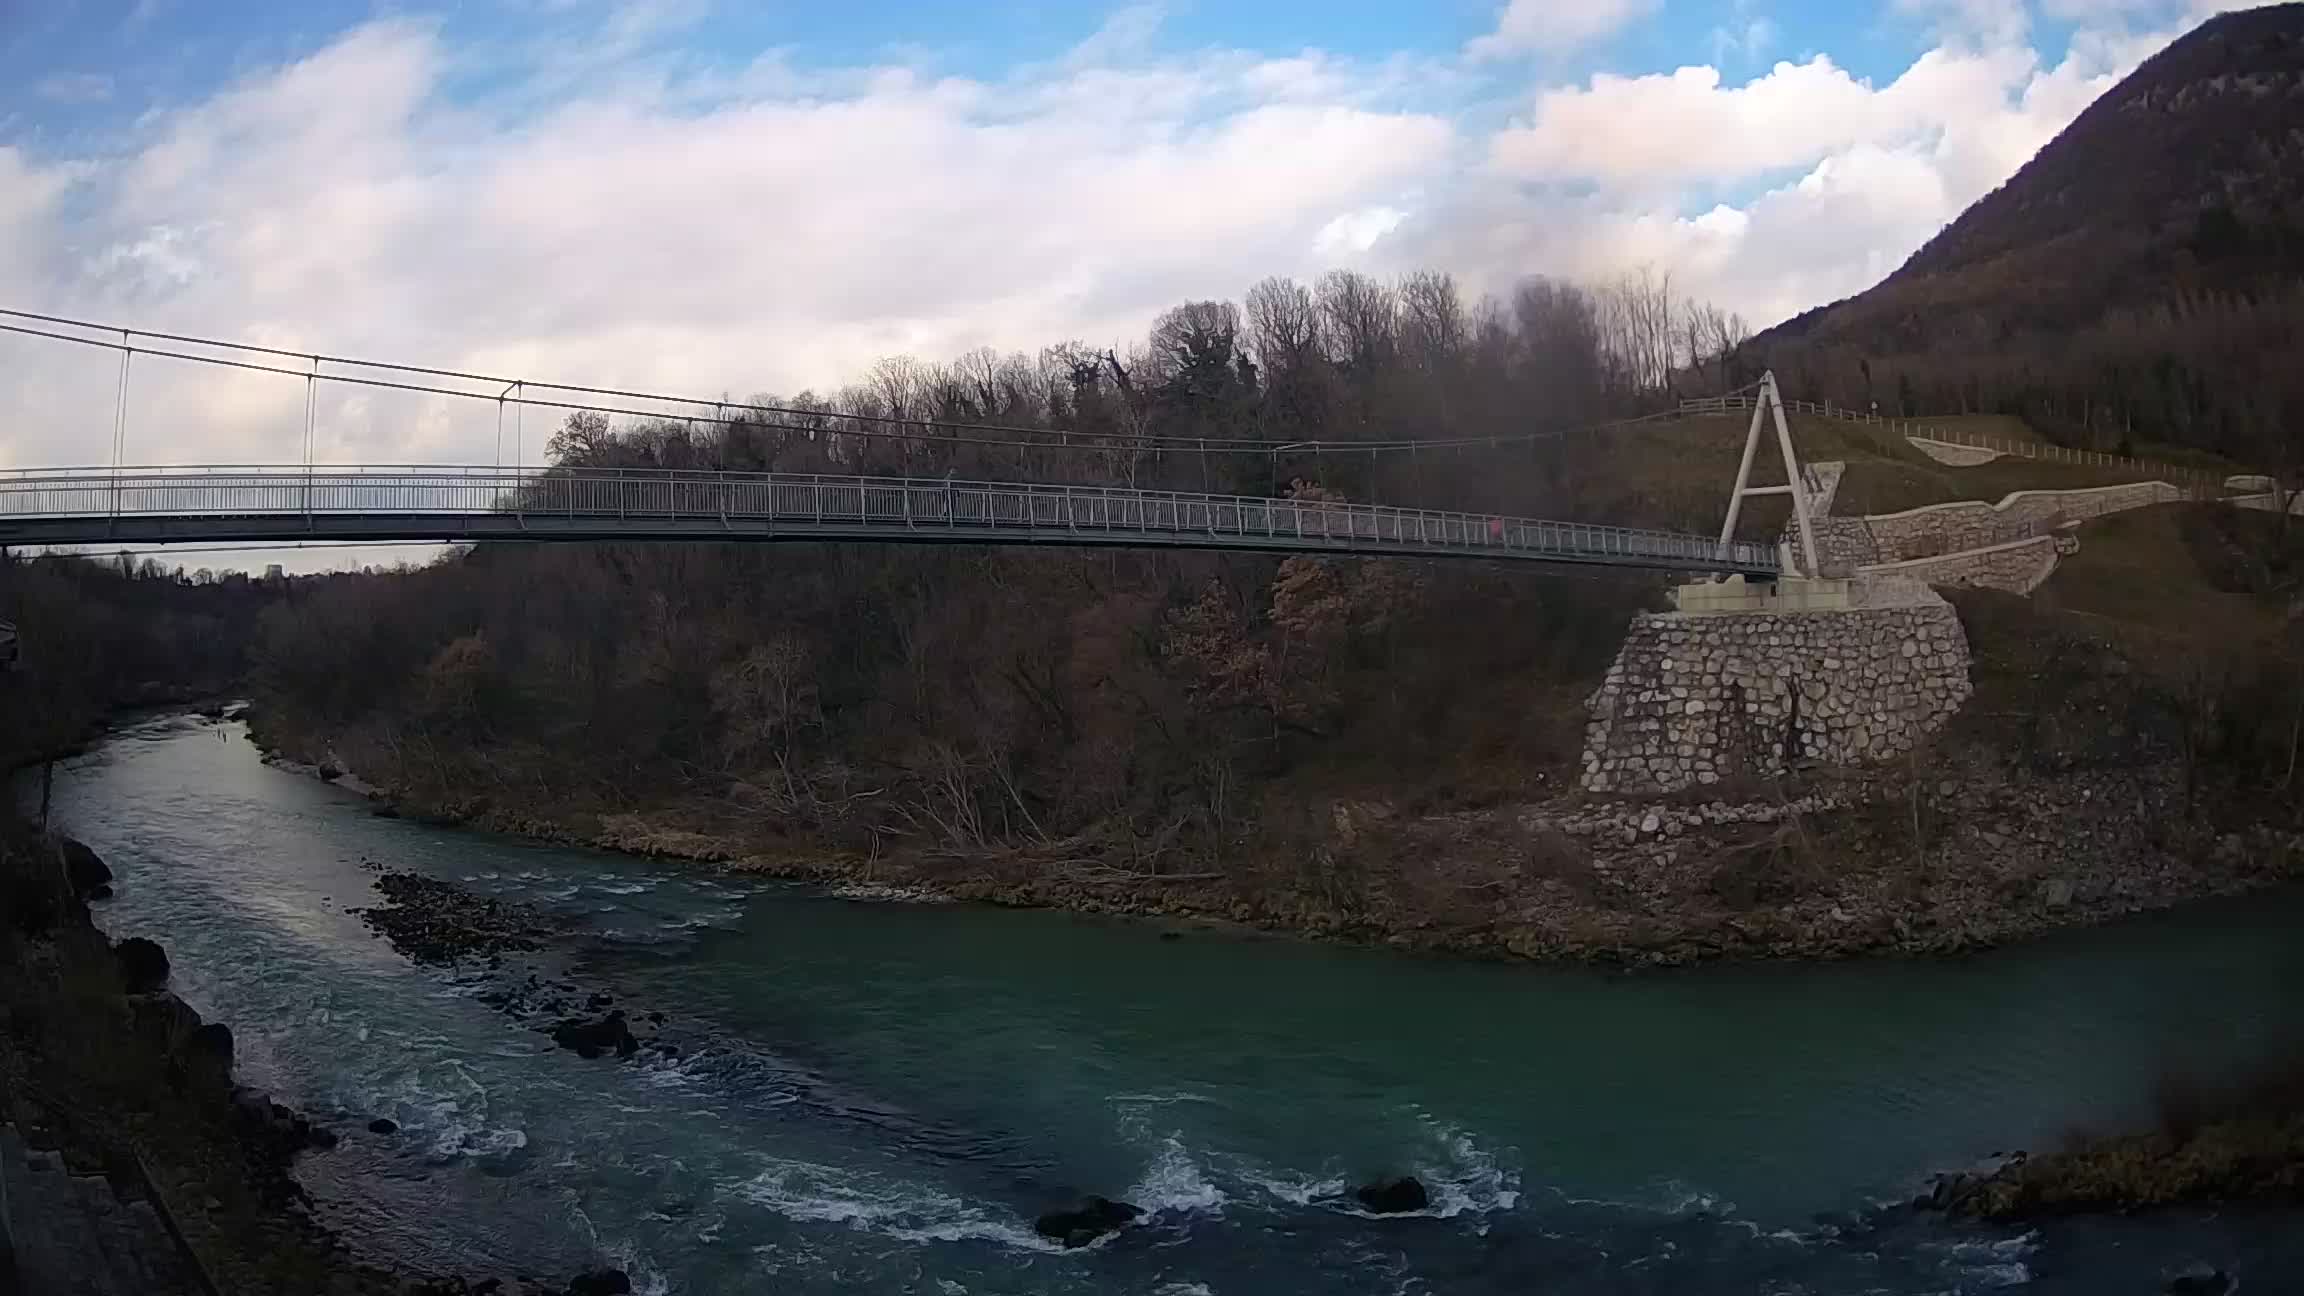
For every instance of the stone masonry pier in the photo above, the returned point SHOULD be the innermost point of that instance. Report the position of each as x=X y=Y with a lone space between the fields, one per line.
x=1695 y=697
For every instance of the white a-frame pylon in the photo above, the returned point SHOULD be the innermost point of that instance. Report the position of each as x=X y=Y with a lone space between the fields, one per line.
x=1763 y=405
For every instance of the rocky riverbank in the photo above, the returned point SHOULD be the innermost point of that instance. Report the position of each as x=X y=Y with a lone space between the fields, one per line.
x=2242 y=1142
x=104 y=1071
x=1960 y=855
x=434 y=921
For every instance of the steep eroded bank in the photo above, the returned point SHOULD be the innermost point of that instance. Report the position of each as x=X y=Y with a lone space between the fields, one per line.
x=108 y=1078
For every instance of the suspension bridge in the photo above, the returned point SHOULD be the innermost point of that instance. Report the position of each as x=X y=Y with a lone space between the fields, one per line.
x=120 y=503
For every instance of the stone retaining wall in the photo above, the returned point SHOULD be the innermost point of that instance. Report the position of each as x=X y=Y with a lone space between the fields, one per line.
x=1935 y=530
x=1690 y=701
x=2018 y=567
x=2268 y=503
x=1952 y=453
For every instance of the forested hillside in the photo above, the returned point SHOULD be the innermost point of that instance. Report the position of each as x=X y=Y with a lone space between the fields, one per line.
x=1068 y=703
x=1299 y=734
x=104 y=633
x=2139 y=282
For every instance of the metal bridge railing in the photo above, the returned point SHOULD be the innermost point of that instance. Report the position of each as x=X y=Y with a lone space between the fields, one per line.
x=641 y=499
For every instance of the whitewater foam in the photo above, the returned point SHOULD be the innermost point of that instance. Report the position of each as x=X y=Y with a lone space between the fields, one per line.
x=906 y=1212
x=1296 y=1190
x=1460 y=1176
x=1465 y=1178
x=1174 y=1182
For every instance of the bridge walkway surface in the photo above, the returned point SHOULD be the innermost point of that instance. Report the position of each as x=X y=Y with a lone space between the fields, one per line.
x=231 y=504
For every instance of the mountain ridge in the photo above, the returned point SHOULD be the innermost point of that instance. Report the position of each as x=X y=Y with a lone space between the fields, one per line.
x=2133 y=280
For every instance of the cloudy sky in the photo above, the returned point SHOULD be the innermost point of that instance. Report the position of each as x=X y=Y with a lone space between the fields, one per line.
x=725 y=196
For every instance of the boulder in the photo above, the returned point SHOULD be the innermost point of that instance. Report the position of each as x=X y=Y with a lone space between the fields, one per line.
x=162 y=1020
x=83 y=870
x=253 y=1106
x=143 y=964
x=596 y=1038
x=1393 y=1196
x=1091 y=1219
x=380 y=1125
x=204 y=1059
x=2200 y=1281
x=278 y=1128
x=601 y=1282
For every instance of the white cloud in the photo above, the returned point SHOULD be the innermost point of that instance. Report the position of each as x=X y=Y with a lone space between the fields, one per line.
x=75 y=88
x=1852 y=178
x=785 y=226
x=1688 y=125
x=1746 y=39
x=1354 y=233
x=1551 y=26
x=1992 y=22
x=768 y=236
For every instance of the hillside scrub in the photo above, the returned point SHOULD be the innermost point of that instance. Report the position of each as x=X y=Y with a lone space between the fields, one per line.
x=959 y=700
x=101 y=634
x=2136 y=288
x=1375 y=748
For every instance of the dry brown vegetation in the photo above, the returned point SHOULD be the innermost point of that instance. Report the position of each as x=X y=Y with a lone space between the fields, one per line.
x=2134 y=288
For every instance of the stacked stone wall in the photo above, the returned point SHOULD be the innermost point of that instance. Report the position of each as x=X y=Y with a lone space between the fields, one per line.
x=1846 y=544
x=1948 y=528
x=1692 y=700
x=2016 y=568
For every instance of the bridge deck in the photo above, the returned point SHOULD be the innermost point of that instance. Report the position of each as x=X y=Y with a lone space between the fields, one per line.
x=225 y=505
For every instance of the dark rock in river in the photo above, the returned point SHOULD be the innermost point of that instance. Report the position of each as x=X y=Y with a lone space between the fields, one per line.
x=143 y=965
x=601 y=1282
x=382 y=1126
x=83 y=870
x=387 y=810
x=1393 y=1196
x=597 y=1038
x=330 y=771
x=2200 y=1281
x=432 y=920
x=278 y=1130
x=1091 y=1219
